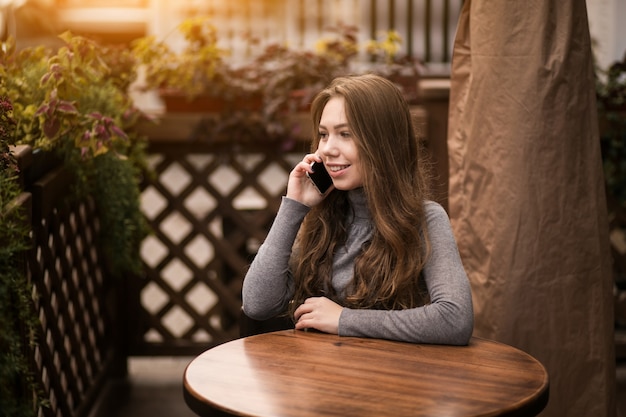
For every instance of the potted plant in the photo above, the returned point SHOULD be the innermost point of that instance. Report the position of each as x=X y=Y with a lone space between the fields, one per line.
x=403 y=70
x=262 y=96
x=71 y=104
x=289 y=78
x=199 y=72
x=293 y=77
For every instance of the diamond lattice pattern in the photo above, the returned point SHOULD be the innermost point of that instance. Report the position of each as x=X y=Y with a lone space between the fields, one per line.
x=209 y=212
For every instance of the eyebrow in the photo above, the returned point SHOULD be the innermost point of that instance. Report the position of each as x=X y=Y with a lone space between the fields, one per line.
x=339 y=126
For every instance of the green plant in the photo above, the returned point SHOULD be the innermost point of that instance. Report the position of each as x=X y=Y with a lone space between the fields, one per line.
x=386 y=47
x=288 y=78
x=611 y=93
x=201 y=68
x=389 y=63
x=285 y=78
x=611 y=98
x=282 y=80
x=194 y=70
x=17 y=318
x=73 y=103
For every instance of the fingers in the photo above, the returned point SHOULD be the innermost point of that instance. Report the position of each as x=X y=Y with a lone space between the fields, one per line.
x=305 y=314
x=318 y=313
x=304 y=308
x=305 y=164
x=299 y=187
x=312 y=157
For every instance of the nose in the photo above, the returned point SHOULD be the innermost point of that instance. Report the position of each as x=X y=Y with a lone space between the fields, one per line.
x=329 y=146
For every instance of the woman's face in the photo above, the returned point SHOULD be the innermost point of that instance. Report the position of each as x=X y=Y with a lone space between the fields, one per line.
x=337 y=147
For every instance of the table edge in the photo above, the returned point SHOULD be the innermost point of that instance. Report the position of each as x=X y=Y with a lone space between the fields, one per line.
x=533 y=405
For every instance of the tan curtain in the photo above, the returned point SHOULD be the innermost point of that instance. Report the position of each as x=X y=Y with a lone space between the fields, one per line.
x=526 y=194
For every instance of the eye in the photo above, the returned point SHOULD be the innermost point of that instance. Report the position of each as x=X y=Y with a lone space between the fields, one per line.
x=322 y=135
x=346 y=134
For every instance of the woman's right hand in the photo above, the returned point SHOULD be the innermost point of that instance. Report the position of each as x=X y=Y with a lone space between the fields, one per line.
x=300 y=187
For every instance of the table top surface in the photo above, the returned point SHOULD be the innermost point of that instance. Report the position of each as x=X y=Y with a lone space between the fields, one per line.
x=297 y=373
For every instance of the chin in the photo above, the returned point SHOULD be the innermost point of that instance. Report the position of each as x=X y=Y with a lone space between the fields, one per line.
x=347 y=187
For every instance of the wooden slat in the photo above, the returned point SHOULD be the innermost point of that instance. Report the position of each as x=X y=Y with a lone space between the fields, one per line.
x=76 y=351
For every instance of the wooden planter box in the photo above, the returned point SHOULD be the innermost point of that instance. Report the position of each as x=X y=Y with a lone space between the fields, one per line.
x=176 y=102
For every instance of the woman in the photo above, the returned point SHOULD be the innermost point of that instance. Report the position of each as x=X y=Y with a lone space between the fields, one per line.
x=371 y=257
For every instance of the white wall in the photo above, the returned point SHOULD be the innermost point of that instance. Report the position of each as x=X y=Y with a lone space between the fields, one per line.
x=607 y=24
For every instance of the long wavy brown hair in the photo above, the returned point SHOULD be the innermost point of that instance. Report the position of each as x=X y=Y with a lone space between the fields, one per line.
x=387 y=273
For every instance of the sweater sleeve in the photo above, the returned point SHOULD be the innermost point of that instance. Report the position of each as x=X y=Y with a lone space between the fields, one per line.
x=268 y=284
x=448 y=319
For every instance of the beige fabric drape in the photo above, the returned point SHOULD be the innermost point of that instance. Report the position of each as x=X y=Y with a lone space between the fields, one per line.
x=526 y=194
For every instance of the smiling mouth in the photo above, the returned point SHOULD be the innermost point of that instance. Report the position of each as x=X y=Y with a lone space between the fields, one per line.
x=337 y=168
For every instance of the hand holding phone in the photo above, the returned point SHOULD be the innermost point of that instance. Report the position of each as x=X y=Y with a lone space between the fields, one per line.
x=320 y=177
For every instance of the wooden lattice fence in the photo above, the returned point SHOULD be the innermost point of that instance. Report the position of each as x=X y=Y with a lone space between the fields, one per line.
x=210 y=206
x=78 y=345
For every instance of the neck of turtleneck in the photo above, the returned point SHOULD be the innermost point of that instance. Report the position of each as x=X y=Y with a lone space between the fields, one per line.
x=358 y=201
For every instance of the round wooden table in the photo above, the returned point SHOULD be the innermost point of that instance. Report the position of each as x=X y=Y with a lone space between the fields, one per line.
x=297 y=373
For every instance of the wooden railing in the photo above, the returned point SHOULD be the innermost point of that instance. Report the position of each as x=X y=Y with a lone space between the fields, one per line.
x=427 y=27
x=78 y=343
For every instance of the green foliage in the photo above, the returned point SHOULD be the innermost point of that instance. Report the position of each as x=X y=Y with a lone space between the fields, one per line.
x=73 y=102
x=7 y=137
x=17 y=319
x=190 y=71
x=613 y=143
x=611 y=95
x=271 y=74
x=279 y=70
x=120 y=214
x=20 y=72
x=612 y=92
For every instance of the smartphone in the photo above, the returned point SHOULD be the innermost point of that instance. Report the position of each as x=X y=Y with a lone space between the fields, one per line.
x=320 y=177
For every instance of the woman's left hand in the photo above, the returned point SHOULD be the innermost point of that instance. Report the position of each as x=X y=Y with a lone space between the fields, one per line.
x=318 y=313
x=300 y=187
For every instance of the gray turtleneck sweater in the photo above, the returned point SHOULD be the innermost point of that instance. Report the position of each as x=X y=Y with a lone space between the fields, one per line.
x=447 y=319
